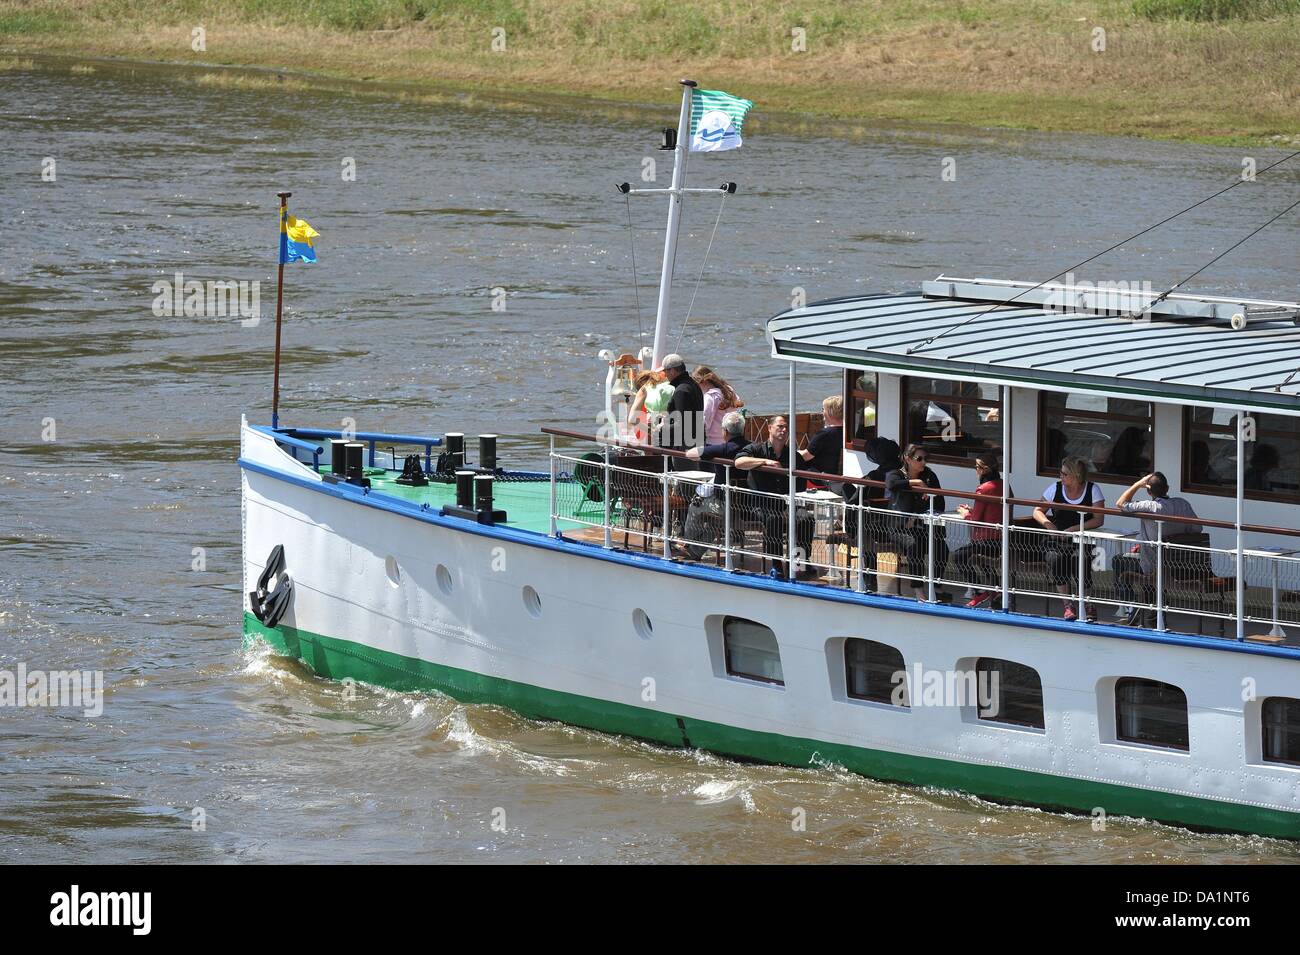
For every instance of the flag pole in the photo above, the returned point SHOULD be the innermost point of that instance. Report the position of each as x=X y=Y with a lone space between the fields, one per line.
x=279 y=303
x=674 y=218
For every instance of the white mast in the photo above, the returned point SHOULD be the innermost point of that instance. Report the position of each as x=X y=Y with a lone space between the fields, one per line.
x=680 y=155
x=676 y=193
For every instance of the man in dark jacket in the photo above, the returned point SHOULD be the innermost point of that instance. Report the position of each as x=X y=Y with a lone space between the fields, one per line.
x=684 y=422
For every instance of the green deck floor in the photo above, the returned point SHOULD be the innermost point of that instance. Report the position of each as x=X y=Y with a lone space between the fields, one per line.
x=527 y=503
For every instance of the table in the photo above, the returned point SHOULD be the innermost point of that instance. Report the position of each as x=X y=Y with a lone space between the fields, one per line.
x=823 y=504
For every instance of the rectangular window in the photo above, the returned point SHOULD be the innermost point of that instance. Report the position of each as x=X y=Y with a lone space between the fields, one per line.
x=1010 y=693
x=751 y=651
x=1210 y=455
x=953 y=420
x=1114 y=435
x=1281 y=716
x=860 y=389
x=1150 y=712
x=875 y=672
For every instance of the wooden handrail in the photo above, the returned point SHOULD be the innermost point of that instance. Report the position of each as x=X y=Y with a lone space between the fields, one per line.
x=941 y=492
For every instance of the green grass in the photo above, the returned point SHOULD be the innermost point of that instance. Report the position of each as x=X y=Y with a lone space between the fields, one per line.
x=1214 y=10
x=22 y=23
x=1171 y=68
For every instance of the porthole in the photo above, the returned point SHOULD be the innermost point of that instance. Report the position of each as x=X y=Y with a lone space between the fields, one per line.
x=532 y=602
x=391 y=569
x=641 y=623
x=444 y=579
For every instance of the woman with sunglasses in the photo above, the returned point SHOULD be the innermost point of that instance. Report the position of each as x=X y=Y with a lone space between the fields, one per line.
x=909 y=535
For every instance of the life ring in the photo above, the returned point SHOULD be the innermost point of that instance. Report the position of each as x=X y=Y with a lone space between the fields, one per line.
x=270 y=605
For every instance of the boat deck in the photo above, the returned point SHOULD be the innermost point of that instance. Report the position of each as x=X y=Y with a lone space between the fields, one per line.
x=526 y=499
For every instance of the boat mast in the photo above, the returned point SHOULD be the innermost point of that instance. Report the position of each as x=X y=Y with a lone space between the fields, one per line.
x=675 y=194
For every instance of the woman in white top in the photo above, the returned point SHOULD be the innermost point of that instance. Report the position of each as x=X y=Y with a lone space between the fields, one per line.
x=1061 y=550
x=719 y=398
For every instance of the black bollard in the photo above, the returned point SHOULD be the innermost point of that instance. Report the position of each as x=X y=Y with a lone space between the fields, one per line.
x=338 y=456
x=487 y=452
x=354 y=451
x=465 y=489
x=483 y=493
x=455 y=441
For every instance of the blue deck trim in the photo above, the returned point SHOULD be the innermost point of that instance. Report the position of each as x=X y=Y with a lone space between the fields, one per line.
x=366 y=498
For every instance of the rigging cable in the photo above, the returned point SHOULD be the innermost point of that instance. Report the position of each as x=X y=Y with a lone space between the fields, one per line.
x=1165 y=294
x=1234 y=185
x=700 y=277
x=636 y=294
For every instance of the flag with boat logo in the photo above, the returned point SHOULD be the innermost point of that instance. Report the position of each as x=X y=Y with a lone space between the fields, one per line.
x=716 y=119
x=296 y=239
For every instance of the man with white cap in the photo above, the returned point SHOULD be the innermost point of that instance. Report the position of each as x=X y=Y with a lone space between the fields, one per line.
x=684 y=421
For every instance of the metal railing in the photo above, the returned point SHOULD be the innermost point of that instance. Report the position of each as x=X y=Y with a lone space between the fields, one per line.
x=658 y=501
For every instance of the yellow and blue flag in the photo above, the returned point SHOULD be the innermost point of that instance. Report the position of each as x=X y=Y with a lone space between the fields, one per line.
x=296 y=239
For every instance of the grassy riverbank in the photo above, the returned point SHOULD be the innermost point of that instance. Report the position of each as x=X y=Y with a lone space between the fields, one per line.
x=1209 y=70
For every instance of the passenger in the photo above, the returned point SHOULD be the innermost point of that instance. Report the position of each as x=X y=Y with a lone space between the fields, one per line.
x=705 y=518
x=730 y=448
x=1141 y=561
x=1061 y=550
x=719 y=398
x=825 y=451
x=683 y=425
x=770 y=506
x=909 y=535
x=985 y=542
x=650 y=402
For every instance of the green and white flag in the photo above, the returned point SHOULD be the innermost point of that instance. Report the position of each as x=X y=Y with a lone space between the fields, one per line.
x=716 y=118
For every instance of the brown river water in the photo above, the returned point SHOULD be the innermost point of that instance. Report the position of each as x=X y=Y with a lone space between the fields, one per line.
x=120 y=440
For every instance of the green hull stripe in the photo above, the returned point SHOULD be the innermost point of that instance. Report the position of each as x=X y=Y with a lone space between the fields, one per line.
x=339 y=659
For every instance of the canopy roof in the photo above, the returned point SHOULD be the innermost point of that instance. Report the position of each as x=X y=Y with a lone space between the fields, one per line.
x=1182 y=349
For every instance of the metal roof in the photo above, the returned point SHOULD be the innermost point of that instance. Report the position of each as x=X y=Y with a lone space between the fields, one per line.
x=1185 y=350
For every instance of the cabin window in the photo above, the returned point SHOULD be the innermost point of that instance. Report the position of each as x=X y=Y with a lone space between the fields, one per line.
x=953 y=420
x=1272 y=470
x=1009 y=693
x=860 y=389
x=1150 y=712
x=1114 y=435
x=875 y=672
x=751 y=651
x=1281 y=719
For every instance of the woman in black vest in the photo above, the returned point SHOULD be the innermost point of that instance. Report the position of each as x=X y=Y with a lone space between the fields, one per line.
x=1061 y=549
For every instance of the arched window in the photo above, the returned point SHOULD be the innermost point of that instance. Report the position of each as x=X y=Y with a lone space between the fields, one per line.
x=874 y=671
x=1150 y=712
x=751 y=650
x=1009 y=693
x=1281 y=720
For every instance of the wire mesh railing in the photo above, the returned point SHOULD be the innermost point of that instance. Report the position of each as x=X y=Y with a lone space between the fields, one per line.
x=682 y=510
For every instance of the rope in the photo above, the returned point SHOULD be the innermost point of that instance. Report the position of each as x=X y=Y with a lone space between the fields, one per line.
x=1165 y=294
x=636 y=293
x=699 y=278
x=932 y=339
